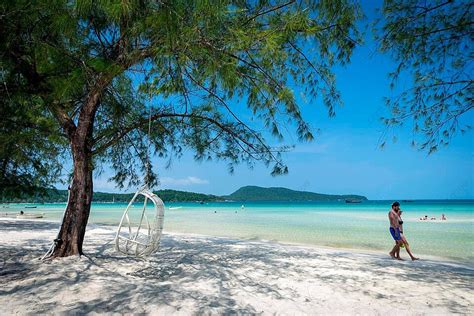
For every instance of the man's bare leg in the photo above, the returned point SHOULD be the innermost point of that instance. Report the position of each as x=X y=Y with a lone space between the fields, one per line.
x=397 y=254
x=395 y=249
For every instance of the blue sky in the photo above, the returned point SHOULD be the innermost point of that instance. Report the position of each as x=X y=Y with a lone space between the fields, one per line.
x=345 y=157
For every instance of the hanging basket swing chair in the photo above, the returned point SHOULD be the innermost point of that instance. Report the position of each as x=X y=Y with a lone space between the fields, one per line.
x=139 y=234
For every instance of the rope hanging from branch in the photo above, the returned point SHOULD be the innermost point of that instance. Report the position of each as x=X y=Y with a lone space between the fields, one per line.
x=140 y=234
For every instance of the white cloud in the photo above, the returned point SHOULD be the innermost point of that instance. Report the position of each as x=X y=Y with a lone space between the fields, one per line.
x=102 y=184
x=182 y=182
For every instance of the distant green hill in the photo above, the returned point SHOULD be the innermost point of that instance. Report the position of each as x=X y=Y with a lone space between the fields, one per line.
x=53 y=195
x=254 y=193
x=247 y=193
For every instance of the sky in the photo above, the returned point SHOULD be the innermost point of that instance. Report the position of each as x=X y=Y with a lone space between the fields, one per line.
x=345 y=157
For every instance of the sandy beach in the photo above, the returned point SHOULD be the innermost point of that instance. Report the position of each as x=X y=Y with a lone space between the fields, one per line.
x=194 y=274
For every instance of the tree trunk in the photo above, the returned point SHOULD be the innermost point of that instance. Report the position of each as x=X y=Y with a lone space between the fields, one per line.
x=73 y=228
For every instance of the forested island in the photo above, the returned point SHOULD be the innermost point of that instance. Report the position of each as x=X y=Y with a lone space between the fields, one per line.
x=255 y=193
x=60 y=196
x=246 y=193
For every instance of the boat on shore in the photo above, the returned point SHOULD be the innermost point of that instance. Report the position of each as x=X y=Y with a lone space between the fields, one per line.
x=24 y=215
x=30 y=215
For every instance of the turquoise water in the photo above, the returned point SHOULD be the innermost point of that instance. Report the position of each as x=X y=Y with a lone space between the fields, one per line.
x=357 y=226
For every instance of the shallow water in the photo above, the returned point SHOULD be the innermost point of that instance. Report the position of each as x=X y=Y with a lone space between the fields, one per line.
x=357 y=226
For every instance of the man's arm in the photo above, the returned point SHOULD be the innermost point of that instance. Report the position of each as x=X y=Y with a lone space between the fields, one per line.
x=393 y=220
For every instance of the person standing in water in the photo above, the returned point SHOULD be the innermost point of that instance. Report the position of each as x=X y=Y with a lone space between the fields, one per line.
x=403 y=238
x=395 y=230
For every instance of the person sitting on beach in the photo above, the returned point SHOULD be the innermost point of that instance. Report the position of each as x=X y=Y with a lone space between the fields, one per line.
x=403 y=238
x=443 y=218
x=395 y=229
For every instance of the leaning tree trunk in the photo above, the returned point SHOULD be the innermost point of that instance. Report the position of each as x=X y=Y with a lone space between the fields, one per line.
x=73 y=228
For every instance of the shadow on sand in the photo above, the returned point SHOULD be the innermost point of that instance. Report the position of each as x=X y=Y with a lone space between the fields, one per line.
x=206 y=275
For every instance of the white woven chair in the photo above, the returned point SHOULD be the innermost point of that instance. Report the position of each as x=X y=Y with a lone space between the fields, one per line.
x=141 y=237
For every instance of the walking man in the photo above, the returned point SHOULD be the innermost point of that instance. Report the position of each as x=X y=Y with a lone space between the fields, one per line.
x=395 y=229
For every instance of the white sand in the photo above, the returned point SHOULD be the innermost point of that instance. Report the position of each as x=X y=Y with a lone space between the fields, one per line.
x=208 y=275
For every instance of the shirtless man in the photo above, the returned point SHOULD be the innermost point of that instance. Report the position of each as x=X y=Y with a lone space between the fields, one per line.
x=395 y=229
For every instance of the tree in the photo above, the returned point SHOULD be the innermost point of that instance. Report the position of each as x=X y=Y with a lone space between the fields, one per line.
x=30 y=147
x=432 y=42
x=102 y=69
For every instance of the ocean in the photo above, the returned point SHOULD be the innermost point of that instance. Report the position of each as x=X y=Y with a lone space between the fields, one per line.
x=361 y=226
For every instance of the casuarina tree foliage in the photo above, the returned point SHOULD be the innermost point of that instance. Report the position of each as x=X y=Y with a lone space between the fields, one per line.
x=84 y=77
x=432 y=43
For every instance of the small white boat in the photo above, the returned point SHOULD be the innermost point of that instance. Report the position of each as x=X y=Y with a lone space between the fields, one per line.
x=30 y=215
x=9 y=215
